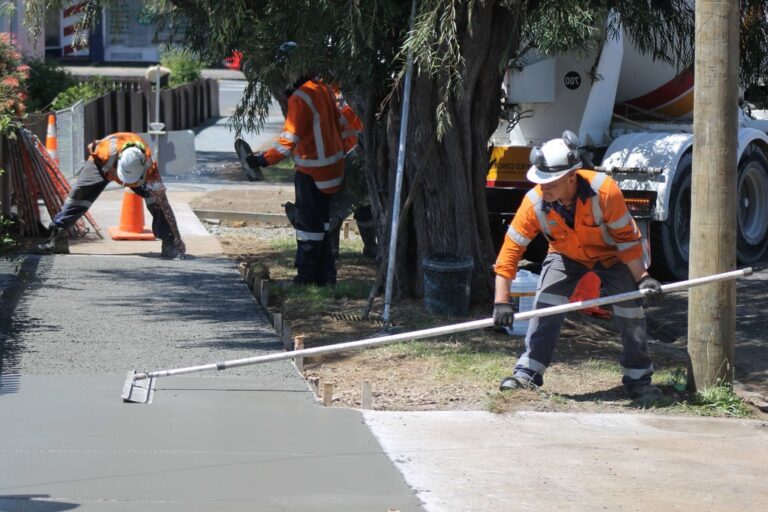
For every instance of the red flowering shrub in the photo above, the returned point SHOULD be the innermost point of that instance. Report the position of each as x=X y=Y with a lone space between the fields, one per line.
x=13 y=75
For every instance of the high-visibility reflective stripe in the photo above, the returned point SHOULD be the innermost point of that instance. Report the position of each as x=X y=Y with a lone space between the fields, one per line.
x=538 y=208
x=598 y=181
x=327 y=226
x=626 y=245
x=324 y=185
x=79 y=202
x=531 y=364
x=319 y=162
x=112 y=155
x=551 y=299
x=623 y=221
x=517 y=237
x=632 y=312
x=348 y=133
x=635 y=373
x=316 y=126
x=309 y=236
x=290 y=136
x=597 y=210
x=281 y=149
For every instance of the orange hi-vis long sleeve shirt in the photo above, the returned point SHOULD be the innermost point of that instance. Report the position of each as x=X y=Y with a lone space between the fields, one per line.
x=104 y=153
x=312 y=133
x=603 y=229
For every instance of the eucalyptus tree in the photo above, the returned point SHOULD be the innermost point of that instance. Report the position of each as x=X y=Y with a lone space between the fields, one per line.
x=461 y=50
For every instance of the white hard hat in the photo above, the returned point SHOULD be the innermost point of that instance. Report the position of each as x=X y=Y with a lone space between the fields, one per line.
x=131 y=165
x=554 y=159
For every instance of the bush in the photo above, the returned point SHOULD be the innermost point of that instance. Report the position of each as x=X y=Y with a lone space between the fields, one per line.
x=184 y=65
x=46 y=80
x=86 y=91
x=13 y=76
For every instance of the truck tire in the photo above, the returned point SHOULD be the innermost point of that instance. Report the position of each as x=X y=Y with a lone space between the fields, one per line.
x=670 y=240
x=752 y=212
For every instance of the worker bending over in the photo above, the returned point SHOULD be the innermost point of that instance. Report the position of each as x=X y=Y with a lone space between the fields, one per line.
x=123 y=158
x=584 y=217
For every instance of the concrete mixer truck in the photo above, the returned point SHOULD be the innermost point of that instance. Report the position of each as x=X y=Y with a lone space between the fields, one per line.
x=634 y=118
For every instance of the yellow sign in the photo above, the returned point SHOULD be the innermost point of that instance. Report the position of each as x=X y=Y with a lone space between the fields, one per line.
x=509 y=163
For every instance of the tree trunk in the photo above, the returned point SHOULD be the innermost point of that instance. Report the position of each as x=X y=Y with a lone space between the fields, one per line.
x=449 y=212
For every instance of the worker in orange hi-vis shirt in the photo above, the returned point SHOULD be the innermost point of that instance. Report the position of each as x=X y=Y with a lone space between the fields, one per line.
x=312 y=134
x=123 y=158
x=584 y=217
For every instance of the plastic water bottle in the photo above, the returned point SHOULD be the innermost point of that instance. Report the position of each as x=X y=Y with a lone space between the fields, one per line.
x=522 y=291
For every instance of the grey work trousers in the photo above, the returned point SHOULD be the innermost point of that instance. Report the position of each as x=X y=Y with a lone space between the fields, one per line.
x=559 y=277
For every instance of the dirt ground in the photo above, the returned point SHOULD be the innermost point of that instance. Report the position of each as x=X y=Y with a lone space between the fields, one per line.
x=584 y=376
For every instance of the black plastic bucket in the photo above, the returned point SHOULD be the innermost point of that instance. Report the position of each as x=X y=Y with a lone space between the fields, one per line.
x=447 y=278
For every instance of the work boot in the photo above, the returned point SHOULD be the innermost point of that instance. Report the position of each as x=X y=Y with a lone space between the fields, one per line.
x=168 y=250
x=644 y=392
x=244 y=151
x=57 y=243
x=370 y=247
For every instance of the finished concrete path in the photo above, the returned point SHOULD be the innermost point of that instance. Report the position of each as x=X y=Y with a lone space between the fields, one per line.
x=251 y=438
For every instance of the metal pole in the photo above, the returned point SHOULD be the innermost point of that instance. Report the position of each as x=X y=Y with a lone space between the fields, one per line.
x=399 y=178
x=445 y=329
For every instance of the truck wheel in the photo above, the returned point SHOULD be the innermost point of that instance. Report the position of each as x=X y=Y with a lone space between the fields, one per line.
x=752 y=212
x=670 y=240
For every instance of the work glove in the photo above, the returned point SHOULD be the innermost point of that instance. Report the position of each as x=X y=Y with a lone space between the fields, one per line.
x=503 y=314
x=648 y=283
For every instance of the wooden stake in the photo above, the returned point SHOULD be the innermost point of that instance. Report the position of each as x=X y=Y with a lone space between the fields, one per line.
x=298 y=344
x=365 y=395
x=277 y=322
x=287 y=338
x=264 y=293
x=346 y=230
x=328 y=394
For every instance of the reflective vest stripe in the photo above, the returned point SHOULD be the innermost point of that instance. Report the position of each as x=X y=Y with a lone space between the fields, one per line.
x=636 y=373
x=290 y=136
x=623 y=221
x=281 y=149
x=531 y=364
x=317 y=128
x=626 y=245
x=538 y=207
x=324 y=185
x=552 y=299
x=309 y=236
x=632 y=312
x=319 y=162
x=518 y=238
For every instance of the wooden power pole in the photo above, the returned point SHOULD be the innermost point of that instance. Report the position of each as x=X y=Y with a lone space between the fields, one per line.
x=712 y=308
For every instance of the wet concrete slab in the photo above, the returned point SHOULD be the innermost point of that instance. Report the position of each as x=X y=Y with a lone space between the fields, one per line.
x=208 y=444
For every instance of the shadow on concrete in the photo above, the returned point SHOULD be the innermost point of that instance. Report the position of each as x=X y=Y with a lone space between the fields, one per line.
x=20 y=279
x=33 y=503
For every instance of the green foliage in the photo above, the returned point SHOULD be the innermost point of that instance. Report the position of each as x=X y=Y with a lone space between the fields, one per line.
x=46 y=80
x=6 y=225
x=184 y=65
x=719 y=400
x=86 y=91
x=13 y=76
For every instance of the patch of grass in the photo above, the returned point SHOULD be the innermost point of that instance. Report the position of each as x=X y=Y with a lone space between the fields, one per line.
x=602 y=367
x=717 y=401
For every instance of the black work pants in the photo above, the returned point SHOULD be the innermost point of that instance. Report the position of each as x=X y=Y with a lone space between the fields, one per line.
x=89 y=186
x=314 y=259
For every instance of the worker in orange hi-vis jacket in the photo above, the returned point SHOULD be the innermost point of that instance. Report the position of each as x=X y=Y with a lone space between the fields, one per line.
x=312 y=134
x=584 y=217
x=123 y=158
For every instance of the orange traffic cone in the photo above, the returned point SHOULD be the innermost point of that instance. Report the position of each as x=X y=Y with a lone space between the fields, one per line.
x=588 y=288
x=51 y=143
x=131 y=220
